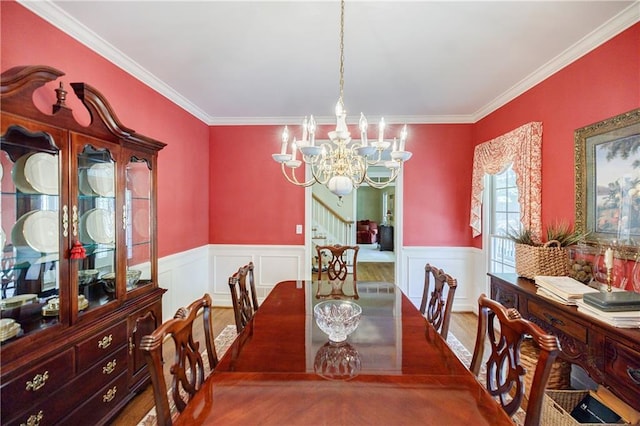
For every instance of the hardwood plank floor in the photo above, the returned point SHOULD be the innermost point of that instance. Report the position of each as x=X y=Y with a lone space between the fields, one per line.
x=463 y=326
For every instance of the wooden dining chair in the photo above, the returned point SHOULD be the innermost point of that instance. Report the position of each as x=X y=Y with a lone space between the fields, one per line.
x=189 y=369
x=243 y=295
x=340 y=269
x=434 y=306
x=504 y=371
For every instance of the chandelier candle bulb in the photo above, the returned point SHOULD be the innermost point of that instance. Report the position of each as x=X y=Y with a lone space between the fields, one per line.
x=403 y=137
x=363 y=129
x=608 y=258
x=305 y=130
x=342 y=164
x=285 y=139
x=312 y=130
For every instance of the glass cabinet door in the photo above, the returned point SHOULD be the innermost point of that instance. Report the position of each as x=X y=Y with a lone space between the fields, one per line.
x=30 y=297
x=96 y=227
x=138 y=223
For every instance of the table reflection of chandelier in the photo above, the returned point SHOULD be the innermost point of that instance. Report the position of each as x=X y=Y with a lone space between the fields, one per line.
x=340 y=163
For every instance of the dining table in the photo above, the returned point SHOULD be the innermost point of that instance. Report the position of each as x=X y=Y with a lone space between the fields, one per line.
x=394 y=369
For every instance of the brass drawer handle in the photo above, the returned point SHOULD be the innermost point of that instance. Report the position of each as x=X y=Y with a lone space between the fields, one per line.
x=37 y=382
x=105 y=342
x=111 y=393
x=634 y=374
x=34 y=419
x=109 y=368
x=65 y=221
x=553 y=320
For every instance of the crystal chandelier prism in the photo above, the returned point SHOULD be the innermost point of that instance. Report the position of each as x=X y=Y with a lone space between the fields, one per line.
x=341 y=163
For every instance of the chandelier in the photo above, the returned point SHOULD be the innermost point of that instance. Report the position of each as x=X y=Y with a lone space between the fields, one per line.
x=341 y=163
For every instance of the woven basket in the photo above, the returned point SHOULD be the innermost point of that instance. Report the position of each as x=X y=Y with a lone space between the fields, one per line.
x=557 y=406
x=549 y=260
x=560 y=376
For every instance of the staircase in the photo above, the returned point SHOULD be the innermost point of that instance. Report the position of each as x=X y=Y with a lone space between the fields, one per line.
x=329 y=227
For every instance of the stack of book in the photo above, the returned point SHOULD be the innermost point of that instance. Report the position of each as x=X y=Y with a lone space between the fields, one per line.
x=565 y=290
x=617 y=308
x=621 y=319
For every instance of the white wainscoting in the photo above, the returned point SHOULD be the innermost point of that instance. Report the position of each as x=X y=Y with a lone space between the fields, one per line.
x=207 y=269
x=190 y=274
x=466 y=264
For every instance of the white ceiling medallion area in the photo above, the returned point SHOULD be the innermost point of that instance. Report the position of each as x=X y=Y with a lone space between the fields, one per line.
x=259 y=62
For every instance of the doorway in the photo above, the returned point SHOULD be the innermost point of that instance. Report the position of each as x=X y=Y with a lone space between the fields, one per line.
x=394 y=204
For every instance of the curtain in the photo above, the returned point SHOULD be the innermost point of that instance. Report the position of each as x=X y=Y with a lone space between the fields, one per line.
x=521 y=147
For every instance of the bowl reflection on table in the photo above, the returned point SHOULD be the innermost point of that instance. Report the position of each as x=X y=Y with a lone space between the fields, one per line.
x=337 y=318
x=337 y=361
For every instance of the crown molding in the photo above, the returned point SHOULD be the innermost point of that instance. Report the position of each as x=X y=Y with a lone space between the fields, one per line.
x=56 y=16
x=600 y=35
x=66 y=23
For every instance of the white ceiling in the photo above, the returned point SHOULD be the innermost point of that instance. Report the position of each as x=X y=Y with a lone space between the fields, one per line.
x=250 y=62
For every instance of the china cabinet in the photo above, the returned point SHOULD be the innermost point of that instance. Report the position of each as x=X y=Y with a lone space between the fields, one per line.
x=79 y=259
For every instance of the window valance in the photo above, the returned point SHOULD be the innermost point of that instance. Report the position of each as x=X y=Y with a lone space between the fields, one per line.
x=521 y=147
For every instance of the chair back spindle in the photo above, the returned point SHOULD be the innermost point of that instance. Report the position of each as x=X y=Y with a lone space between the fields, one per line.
x=340 y=269
x=243 y=295
x=188 y=369
x=434 y=305
x=504 y=371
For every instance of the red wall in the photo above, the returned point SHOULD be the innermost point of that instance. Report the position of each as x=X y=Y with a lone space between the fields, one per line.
x=219 y=185
x=183 y=198
x=437 y=185
x=251 y=202
x=601 y=84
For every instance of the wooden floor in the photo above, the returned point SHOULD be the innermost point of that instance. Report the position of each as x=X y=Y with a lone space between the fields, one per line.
x=463 y=326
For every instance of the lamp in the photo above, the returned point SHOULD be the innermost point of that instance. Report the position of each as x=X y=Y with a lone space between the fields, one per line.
x=341 y=163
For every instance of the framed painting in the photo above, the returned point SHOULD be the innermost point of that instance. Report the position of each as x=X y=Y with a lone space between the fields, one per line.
x=607 y=178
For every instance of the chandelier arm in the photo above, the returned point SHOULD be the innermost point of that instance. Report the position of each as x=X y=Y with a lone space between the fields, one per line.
x=377 y=159
x=294 y=180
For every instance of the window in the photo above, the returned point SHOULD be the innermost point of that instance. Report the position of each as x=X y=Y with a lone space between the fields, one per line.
x=504 y=215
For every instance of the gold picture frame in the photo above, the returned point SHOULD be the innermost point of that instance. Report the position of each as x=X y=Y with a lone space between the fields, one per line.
x=607 y=170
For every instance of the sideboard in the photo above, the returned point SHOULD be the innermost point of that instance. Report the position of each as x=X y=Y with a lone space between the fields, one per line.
x=610 y=355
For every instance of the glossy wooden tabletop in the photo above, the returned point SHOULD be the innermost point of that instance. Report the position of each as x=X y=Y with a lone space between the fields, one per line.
x=394 y=369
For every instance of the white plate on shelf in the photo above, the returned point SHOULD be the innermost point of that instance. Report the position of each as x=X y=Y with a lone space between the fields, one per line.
x=17 y=175
x=83 y=183
x=97 y=225
x=37 y=229
x=101 y=179
x=41 y=171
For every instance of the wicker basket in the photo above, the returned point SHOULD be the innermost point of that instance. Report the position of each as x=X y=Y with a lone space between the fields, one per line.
x=559 y=377
x=549 y=259
x=557 y=406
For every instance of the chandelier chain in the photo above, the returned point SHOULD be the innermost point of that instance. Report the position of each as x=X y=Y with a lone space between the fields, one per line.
x=341 y=50
x=340 y=163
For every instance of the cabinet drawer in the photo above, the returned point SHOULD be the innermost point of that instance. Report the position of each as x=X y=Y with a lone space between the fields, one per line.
x=43 y=380
x=558 y=320
x=622 y=364
x=100 y=345
x=100 y=403
x=103 y=372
